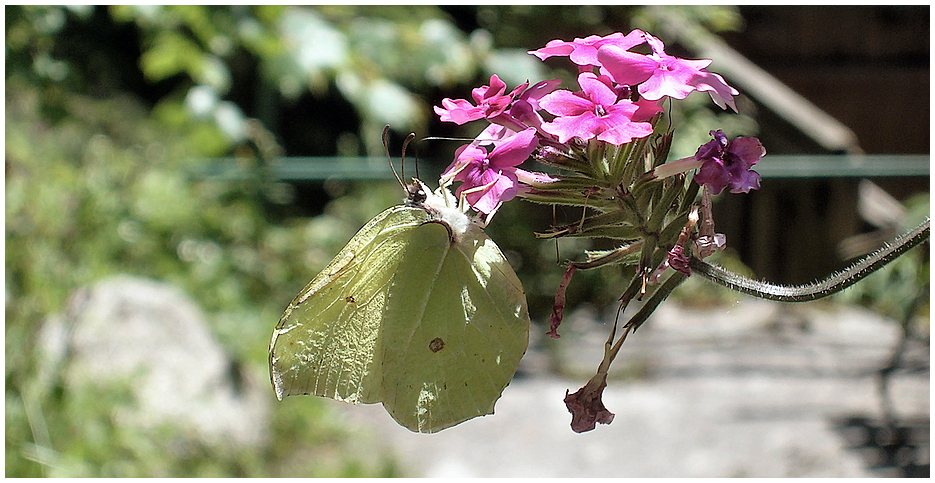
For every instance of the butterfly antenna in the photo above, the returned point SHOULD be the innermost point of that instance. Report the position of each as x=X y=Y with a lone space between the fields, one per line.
x=438 y=138
x=415 y=151
x=409 y=139
x=386 y=149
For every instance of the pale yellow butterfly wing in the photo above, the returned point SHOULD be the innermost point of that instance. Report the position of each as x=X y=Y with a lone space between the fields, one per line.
x=455 y=329
x=432 y=324
x=326 y=342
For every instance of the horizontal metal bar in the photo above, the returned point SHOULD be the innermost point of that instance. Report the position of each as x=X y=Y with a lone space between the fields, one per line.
x=298 y=169
x=843 y=166
x=771 y=166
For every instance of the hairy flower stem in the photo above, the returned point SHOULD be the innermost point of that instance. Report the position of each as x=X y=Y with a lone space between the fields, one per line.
x=816 y=290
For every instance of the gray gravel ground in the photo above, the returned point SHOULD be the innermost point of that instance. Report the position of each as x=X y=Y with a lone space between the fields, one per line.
x=757 y=389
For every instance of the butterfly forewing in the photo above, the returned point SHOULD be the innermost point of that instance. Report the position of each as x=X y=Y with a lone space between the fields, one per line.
x=328 y=339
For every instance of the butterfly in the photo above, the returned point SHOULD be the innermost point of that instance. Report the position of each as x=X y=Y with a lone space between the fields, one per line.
x=420 y=311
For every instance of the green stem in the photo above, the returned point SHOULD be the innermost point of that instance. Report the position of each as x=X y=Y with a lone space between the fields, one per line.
x=657 y=297
x=610 y=347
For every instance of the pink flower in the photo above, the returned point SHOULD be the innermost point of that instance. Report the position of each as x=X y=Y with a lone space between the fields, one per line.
x=595 y=112
x=729 y=163
x=583 y=52
x=487 y=180
x=490 y=102
x=660 y=74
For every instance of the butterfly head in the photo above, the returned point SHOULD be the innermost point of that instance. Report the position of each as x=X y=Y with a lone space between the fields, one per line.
x=416 y=192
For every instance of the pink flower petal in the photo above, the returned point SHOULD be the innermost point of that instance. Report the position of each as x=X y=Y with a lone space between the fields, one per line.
x=583 y=126
x=597 y=89
x=465 y=156
x=564 y=103
x=721 y=93
x=618 y=127
x=626 y=68
x=748 y=149
x=583 y=52
x=513 y=151
x=483 y=93
x=553 y=48
x=497 y=188
x=458 y=111
x=672 y=78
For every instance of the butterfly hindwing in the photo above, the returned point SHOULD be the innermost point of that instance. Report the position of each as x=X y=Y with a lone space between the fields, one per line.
x=455 y=328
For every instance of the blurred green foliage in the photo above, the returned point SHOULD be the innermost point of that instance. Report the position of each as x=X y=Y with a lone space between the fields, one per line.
x=102 y=192
x=107 y=109
x=900 y=290
x=96 y=187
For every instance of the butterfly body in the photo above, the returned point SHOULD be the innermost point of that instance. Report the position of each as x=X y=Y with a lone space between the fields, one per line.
x=420 y=311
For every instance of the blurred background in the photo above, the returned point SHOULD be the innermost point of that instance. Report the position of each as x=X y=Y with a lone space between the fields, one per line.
x=175 y=175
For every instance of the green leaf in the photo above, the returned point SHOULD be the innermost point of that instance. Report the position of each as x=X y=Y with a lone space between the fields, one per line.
x=170 y=54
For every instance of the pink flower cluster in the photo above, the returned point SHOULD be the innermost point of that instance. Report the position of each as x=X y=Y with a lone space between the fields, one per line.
x=619 y=93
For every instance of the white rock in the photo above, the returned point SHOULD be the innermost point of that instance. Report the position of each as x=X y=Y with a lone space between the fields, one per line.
x=154 y=338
